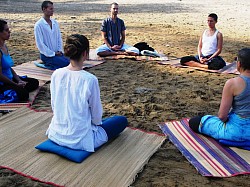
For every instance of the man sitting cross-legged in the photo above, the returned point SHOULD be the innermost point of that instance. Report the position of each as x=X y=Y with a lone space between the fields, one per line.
x=113 y=35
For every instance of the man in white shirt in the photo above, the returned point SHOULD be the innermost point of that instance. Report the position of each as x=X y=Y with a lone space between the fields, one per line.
x=48 y=39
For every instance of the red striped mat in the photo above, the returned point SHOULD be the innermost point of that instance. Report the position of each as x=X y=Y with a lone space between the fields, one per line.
x=208 y=156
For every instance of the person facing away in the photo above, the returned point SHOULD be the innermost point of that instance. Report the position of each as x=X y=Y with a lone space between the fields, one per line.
x=8 y=77
x=48 y=39
x=113 y=35
x=233 y=119
x=209 y=48
x=75 y=100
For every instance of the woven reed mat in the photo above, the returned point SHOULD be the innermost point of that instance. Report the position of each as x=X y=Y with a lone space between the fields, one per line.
x=115 y=164
x=31 y=70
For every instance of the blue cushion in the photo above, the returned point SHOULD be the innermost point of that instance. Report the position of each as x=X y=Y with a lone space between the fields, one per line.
x=42 y=65
x=243 y=145
x=71 y=154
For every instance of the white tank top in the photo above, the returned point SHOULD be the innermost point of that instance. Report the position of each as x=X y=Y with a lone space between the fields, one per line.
x=209 y=43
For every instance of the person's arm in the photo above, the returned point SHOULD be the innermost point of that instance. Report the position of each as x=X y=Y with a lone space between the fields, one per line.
x=122 y=39
x=95 y=103
x=5 y=79
x=59 y=39
x=38 y=31
x=219 y=46
x=17 y=78
x=105 y=40
x=199 y=48
x=226 y=100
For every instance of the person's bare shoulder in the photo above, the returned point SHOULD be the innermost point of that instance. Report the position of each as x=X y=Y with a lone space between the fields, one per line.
x=236 y=85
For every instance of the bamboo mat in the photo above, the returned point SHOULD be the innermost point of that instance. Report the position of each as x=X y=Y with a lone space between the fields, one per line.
x=115 y=164
x=31 y=70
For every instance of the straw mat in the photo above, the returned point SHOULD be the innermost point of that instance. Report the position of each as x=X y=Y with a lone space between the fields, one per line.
x=230 y=68
x=31 y=70
x=114 y=164
x=208 y=156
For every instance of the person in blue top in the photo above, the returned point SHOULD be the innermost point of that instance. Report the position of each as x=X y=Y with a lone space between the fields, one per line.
x=233 y=120
x=8 y=77
x=113 y=35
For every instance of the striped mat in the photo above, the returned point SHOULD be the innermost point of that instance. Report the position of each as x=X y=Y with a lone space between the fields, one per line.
x=204 y=153
x=14 y=106
x=230 y=68
x=114 y=164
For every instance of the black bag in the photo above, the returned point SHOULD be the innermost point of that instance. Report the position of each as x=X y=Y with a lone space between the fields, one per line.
x=216 y=64
x=143 y=46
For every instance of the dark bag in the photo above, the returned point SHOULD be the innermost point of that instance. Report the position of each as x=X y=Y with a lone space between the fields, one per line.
x=216 y=64
x=143 y=46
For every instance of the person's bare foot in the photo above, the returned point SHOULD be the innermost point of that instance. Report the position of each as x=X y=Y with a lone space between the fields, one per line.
x=121 y=53
x=131 y=54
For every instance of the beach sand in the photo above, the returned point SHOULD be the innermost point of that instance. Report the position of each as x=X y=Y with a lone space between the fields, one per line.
x=145 y=92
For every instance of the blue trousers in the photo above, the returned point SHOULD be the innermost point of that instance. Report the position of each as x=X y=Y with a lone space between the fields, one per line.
x=114 y=126
x=55 y=62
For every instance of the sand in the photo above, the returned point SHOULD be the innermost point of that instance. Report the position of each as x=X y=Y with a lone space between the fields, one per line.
x=146 y=92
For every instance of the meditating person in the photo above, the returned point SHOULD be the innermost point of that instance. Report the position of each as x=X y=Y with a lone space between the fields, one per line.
x=48 y=39
x=113 y=35
x=233 y=120
x=209 y=48
x=9 y=80
x=75 y=100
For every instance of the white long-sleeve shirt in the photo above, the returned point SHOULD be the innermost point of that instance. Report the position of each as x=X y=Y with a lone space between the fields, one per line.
x=77 y=109
x=48 y=40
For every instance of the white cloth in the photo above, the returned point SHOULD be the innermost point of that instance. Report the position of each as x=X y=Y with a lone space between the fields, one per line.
x=209 y=43
x=48 y=41
x=77 y=109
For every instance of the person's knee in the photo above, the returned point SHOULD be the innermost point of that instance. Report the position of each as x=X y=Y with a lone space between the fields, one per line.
x=184 y=60
x=194 y=123
x=119 y=120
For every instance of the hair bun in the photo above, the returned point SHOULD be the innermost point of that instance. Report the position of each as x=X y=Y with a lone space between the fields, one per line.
x=70 y=50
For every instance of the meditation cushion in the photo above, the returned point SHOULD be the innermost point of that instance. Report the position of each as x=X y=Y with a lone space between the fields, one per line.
x=242 y=145
x=71 y=154
x=42 y=65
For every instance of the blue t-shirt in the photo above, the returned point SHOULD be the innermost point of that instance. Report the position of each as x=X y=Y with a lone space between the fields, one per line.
x=7 y=63
x=113 y=30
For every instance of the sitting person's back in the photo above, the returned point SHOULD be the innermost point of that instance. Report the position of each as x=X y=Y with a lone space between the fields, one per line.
x=233 y=120
x=76 y=104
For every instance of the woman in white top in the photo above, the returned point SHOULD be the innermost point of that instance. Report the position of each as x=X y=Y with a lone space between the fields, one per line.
x=75 y=100
x=209 y=48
